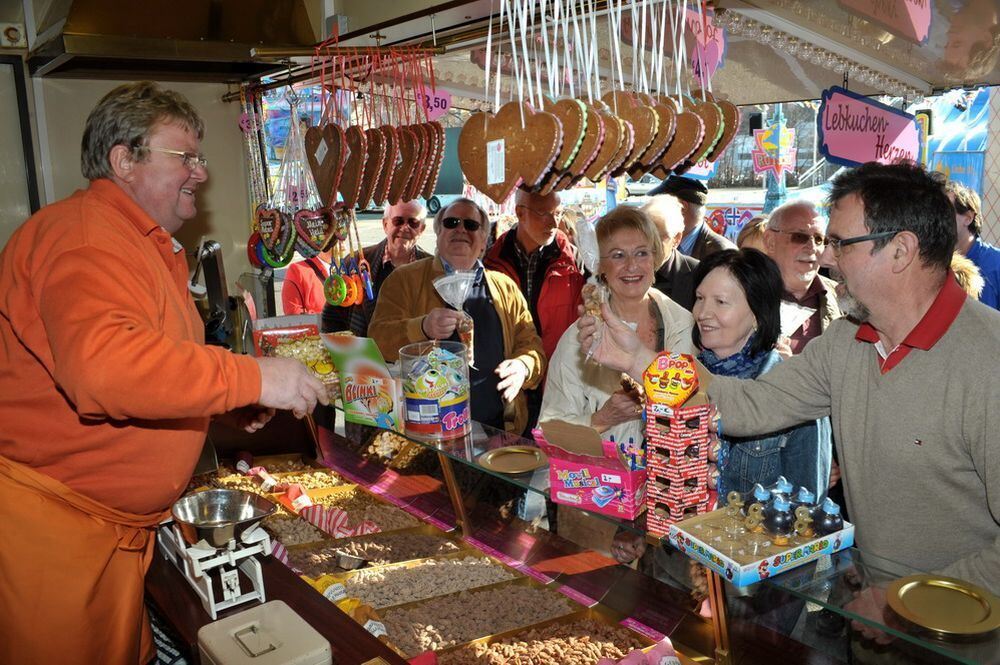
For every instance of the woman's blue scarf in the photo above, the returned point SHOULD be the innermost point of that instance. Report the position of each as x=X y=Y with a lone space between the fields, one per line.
x=740 y=365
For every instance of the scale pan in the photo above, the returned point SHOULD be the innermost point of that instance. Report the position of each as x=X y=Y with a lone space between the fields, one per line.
x=219 y=516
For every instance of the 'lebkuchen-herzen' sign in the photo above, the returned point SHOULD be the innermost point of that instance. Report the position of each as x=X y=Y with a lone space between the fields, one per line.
x=909 y=19
x=854 y=129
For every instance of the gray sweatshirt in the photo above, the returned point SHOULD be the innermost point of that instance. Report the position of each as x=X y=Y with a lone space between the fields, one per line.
x=919 y=446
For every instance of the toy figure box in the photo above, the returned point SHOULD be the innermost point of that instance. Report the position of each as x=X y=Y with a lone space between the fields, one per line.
x=746 y=558
x=586 y=471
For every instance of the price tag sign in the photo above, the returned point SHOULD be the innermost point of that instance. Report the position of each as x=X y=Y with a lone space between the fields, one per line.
x=436 y=102
x=495 y=162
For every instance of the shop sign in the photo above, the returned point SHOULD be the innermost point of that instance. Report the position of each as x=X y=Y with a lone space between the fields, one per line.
x=768 y=155
x=709 y=49
x=965 y=168
x=854 y=129
x=909 y=19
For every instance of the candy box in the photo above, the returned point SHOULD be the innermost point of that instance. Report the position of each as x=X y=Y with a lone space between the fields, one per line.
x=704 y=539
x=585 y=471
x=368 y=391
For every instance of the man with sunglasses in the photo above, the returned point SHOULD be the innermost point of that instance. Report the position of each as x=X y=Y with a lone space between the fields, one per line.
x=403 y=224
x=910 y=380
x=795 y=238
x=507 y=350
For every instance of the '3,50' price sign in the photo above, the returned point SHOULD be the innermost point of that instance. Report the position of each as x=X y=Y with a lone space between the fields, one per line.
x=436 y=103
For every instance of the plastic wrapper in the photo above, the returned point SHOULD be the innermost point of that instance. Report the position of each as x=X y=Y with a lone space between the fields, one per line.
x=454 y=289
x=300 y=342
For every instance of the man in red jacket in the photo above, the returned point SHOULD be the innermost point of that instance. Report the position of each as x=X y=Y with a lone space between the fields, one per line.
x=541 y=260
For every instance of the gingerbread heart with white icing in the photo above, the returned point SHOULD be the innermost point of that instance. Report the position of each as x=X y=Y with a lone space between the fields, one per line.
x=272 y=226
x=313 y=228
x=374 y=163
x=644 y=123
x=389 y=165
x=525 y=143
x=325 y=152
x=354 y=166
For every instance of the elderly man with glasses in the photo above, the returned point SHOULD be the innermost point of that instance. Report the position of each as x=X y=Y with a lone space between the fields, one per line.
x=507 y=350
x=909 y=381
x=795 y=238
x=403 y=224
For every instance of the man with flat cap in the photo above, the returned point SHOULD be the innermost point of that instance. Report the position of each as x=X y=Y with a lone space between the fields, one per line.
x=699 y=239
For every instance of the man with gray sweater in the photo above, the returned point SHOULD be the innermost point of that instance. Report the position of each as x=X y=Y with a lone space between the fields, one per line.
x=911 y=383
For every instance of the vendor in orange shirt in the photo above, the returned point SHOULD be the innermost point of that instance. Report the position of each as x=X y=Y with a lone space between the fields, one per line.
x=107 y=387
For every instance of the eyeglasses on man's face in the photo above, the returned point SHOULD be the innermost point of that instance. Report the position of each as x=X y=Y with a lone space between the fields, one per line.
x=551 y=216
x=412 y=222
x=471 y=225
x=799 y=238
x=620 y=256
x=838 y=244
x=192 y=160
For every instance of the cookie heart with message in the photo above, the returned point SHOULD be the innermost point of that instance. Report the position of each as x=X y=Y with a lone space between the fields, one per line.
x=313 y=228
x=524 y=142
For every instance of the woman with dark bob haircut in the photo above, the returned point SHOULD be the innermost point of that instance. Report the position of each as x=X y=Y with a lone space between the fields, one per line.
x=737 y=314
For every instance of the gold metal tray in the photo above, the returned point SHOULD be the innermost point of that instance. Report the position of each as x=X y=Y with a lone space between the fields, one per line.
x=947 y=607
x=513 y=459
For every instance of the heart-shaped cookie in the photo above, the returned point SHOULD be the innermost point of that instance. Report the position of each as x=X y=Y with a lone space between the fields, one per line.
x=593 y=139
x=389 y=164
x=270 y=224
x=687 y=137
x=435 y=167
x=354 y=166
x=711 y=116
x=425 y=146
x=625 y=148
x=731 y=123
x=667 y=117
x=405 y=165
x=374 y=163
x=325 y=151
x=572 y=114
x=644 y=123
x=313 y=228
x=523 y=152
x=614 y=134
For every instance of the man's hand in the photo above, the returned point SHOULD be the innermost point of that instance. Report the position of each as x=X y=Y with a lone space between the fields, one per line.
x=619 y=346
x=248 y=418
x=627 y=546
x=870 y=604
x=620 y=408
x=512 y=375
x=834 y=474
x=288 y=384
x=440 y=323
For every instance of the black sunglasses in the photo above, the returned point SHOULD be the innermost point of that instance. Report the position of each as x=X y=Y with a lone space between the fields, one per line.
x=471 y=225
x=412 y=222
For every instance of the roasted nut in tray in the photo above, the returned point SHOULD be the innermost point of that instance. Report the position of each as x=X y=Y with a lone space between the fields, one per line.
x=360 y=506
x=443 y=622
x=377 y=549
x=293 y=531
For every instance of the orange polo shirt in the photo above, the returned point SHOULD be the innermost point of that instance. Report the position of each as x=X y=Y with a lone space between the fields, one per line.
x=106 y=384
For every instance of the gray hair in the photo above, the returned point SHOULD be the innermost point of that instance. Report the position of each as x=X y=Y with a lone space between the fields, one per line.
x=483 y=216
x=125 y=117
x=778 y=214
x=666 y=213
x=421 y=208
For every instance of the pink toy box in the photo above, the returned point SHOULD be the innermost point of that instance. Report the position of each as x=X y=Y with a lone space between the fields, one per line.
x=585 y=471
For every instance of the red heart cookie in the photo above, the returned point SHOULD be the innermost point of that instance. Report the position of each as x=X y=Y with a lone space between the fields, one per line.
x=731 y=120
x=525 y=151
x=572 y=114
x=405 y=166
x=270 y=224
x=389 y=164
x=374 y=163
x=354 y=166
x=644 y=123
x=435 y=168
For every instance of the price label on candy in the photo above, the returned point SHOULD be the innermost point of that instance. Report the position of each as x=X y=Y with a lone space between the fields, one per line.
x=671 y=379
x=436 y=103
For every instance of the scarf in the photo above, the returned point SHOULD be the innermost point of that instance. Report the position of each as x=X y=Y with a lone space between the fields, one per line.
x=740 y=365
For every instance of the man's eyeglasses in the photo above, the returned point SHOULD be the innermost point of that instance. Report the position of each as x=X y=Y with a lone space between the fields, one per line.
x=471 y=225
x=412 y=222
x=799 y=238
x=620 y=256
x=191 y=160
x=553 y=216
x=838 y=244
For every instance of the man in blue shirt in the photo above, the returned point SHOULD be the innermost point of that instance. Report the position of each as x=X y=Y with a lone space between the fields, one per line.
x=969 y=219
x=699 y=239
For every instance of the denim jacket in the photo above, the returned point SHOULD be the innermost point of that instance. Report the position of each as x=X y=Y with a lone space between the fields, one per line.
x=801 y=454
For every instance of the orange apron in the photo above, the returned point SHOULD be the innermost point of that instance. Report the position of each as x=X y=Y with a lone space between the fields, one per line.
x=71 y=575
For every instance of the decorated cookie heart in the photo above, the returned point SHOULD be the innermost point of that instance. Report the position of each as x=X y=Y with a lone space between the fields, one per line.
x=270 y=224
x=424 y=146
x=374 y=163
x=593 y=139
x=522 y=153
x=614 y=134
x=435 y=168
x=389 y=165
x=572 y=114
x=325 y=152
x=408 y=153
x=687 y=137
x=625 y=149
x=644 y=123
x=313 y=228
x=731 y=123
x=354 y=166
x=711 y=117
x=667 y=117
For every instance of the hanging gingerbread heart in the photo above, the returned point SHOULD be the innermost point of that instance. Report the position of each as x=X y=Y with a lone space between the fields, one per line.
x=325 y=152
x=613 y=136
x=572 y=114
x=374 y=163
x=435 y=168
x=408 y=153
x=425 y=146
x=644 y=123
x=590 y=146
x=389 y=166
x=313 y=228
x=270 y=224
x=517 y=146
x=687 y=137
x=354 y=166
x=731 y=122
x=711 y=116
x=667 y=124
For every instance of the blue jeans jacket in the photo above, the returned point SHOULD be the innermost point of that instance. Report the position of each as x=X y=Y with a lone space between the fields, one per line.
x=801 y=454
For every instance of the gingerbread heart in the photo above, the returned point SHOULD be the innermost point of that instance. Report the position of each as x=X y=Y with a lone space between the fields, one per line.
x=589 y=149
x=711 y=116
x=313 y=228
x=667 y=117
x=524 y=144
x=625 y=148
x=389 y=165
x=572 y=114
x=687 y=137
x=408 y=152
x=731 y=123
x=325 y=152
x=270 y=224
x=435 y=168
x=644 y=123
x=374 y=163
x=425 y=146
x=354 y=166
x=614 y=134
